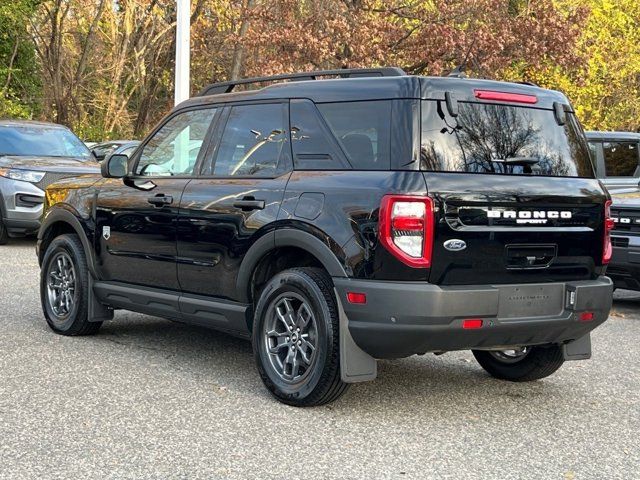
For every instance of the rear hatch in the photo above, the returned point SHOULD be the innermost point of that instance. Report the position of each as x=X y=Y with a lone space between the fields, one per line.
x=515 y=195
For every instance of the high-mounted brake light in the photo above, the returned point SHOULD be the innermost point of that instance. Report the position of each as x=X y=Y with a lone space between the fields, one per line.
x=505 y=96
x=607 y=249
x=406 y=228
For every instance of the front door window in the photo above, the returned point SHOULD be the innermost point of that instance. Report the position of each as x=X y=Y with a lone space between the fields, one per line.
x=174 y=149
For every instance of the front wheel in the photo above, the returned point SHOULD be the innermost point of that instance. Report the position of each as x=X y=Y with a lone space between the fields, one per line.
x=295 y=338
x=522 y=364
x=64 y=287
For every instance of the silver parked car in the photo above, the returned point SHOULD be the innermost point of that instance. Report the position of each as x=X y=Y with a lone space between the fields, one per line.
x=102 y=151
x=32 y=156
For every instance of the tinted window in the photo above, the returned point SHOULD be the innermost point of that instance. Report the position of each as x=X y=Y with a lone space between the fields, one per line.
x=174 y=149
x=620 y=158
x=313 y=144
x=39 y=140
x=593 y=151
x=503 y=139
x=363 y=131
x=254 y=141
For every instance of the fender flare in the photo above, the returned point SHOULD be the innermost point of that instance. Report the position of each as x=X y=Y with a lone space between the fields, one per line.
x=285 y=237
x=56 y=215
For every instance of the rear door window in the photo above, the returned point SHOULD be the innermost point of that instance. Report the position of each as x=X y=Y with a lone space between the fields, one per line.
x=620 y=158
x=363 y=130
x=254 y=142
x=502 y=139
x=314 y=147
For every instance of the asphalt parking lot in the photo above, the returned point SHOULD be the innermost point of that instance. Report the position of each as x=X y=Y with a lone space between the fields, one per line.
x=147 y=398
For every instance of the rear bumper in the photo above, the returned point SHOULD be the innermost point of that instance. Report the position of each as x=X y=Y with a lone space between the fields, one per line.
x=405 y=318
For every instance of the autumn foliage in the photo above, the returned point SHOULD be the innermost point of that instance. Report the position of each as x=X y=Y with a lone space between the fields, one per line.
x=105 y=67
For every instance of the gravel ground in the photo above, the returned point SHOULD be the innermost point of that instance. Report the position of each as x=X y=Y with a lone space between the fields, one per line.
x=147 y=398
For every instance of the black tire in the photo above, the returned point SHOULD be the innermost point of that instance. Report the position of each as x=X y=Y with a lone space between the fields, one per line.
x=73 y=321
x=299 y=384
x=539 y=362
x=4 y=234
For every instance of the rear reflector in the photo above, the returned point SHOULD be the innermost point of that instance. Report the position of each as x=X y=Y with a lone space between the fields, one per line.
x=354 y=297
x=472 y=323
x=586 y=316
x=505 y=96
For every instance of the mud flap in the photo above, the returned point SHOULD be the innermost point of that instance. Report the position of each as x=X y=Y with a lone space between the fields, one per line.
x=355 y=364
x=579 y=349
x=96 y=311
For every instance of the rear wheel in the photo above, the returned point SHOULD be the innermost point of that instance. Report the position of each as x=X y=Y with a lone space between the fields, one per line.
x=522 y=364
x=4 y=234
x=64 y=287
x=295 y=338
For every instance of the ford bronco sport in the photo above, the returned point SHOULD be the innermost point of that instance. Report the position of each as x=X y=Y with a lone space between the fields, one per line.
x=338 y=221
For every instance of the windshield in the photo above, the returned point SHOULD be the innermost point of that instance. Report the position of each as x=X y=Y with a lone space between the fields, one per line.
x=40 y=140
x=502 y=139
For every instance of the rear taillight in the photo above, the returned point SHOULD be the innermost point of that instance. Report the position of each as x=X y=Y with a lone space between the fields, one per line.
x=406 y=228
x=607 y=249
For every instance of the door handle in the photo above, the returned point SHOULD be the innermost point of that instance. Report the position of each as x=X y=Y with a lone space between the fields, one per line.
x=160 y=200
x=249 y=203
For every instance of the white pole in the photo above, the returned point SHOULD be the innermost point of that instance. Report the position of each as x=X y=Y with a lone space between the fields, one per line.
x=183 y=53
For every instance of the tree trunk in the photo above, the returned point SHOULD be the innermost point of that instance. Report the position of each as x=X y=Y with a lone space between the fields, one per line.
x=238 y=50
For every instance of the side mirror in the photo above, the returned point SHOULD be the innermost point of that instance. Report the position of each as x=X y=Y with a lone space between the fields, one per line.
x=115 y=166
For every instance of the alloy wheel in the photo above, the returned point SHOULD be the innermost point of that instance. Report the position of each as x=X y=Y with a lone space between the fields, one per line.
x=290 y=337
x=511 y=355
x=61 y=285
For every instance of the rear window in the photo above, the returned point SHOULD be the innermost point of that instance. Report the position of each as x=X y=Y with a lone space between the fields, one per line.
x=502 y=139
x=620 y=158
x=363 y=130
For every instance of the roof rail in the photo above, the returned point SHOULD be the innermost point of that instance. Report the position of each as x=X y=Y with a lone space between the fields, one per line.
x=227 y=87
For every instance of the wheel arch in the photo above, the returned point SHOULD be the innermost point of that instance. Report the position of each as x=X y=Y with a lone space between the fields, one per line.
x=288 y=243
x=59 y=221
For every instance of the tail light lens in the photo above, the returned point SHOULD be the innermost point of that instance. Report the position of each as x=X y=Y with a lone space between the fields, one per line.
x=607 y=249
x=406 y=228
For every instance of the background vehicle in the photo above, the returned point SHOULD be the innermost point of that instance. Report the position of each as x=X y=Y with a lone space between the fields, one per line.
x=624 y=268
x=33 y=155
x=373 y=215
x=104 y=150
x=617 y=158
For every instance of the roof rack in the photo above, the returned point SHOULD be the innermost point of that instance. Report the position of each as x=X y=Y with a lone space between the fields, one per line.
x=227 y=87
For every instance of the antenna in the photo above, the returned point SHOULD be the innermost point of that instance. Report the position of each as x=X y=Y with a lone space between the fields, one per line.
x=459 y=71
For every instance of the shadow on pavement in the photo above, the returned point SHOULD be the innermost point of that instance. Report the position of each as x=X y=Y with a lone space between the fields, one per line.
x=226 y=360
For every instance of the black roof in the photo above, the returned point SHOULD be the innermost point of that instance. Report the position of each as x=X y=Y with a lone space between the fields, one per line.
x=378 y=88
x=629 y=136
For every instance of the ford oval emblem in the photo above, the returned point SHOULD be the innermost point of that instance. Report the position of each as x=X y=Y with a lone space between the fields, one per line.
x=455 y=245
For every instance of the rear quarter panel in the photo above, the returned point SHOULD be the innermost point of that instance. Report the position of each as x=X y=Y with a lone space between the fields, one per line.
x=341 y=209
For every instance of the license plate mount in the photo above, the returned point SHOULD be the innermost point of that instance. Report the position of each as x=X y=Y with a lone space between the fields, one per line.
x=522 y=301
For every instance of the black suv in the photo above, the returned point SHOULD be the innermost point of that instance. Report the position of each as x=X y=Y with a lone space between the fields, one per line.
x=370 y=215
